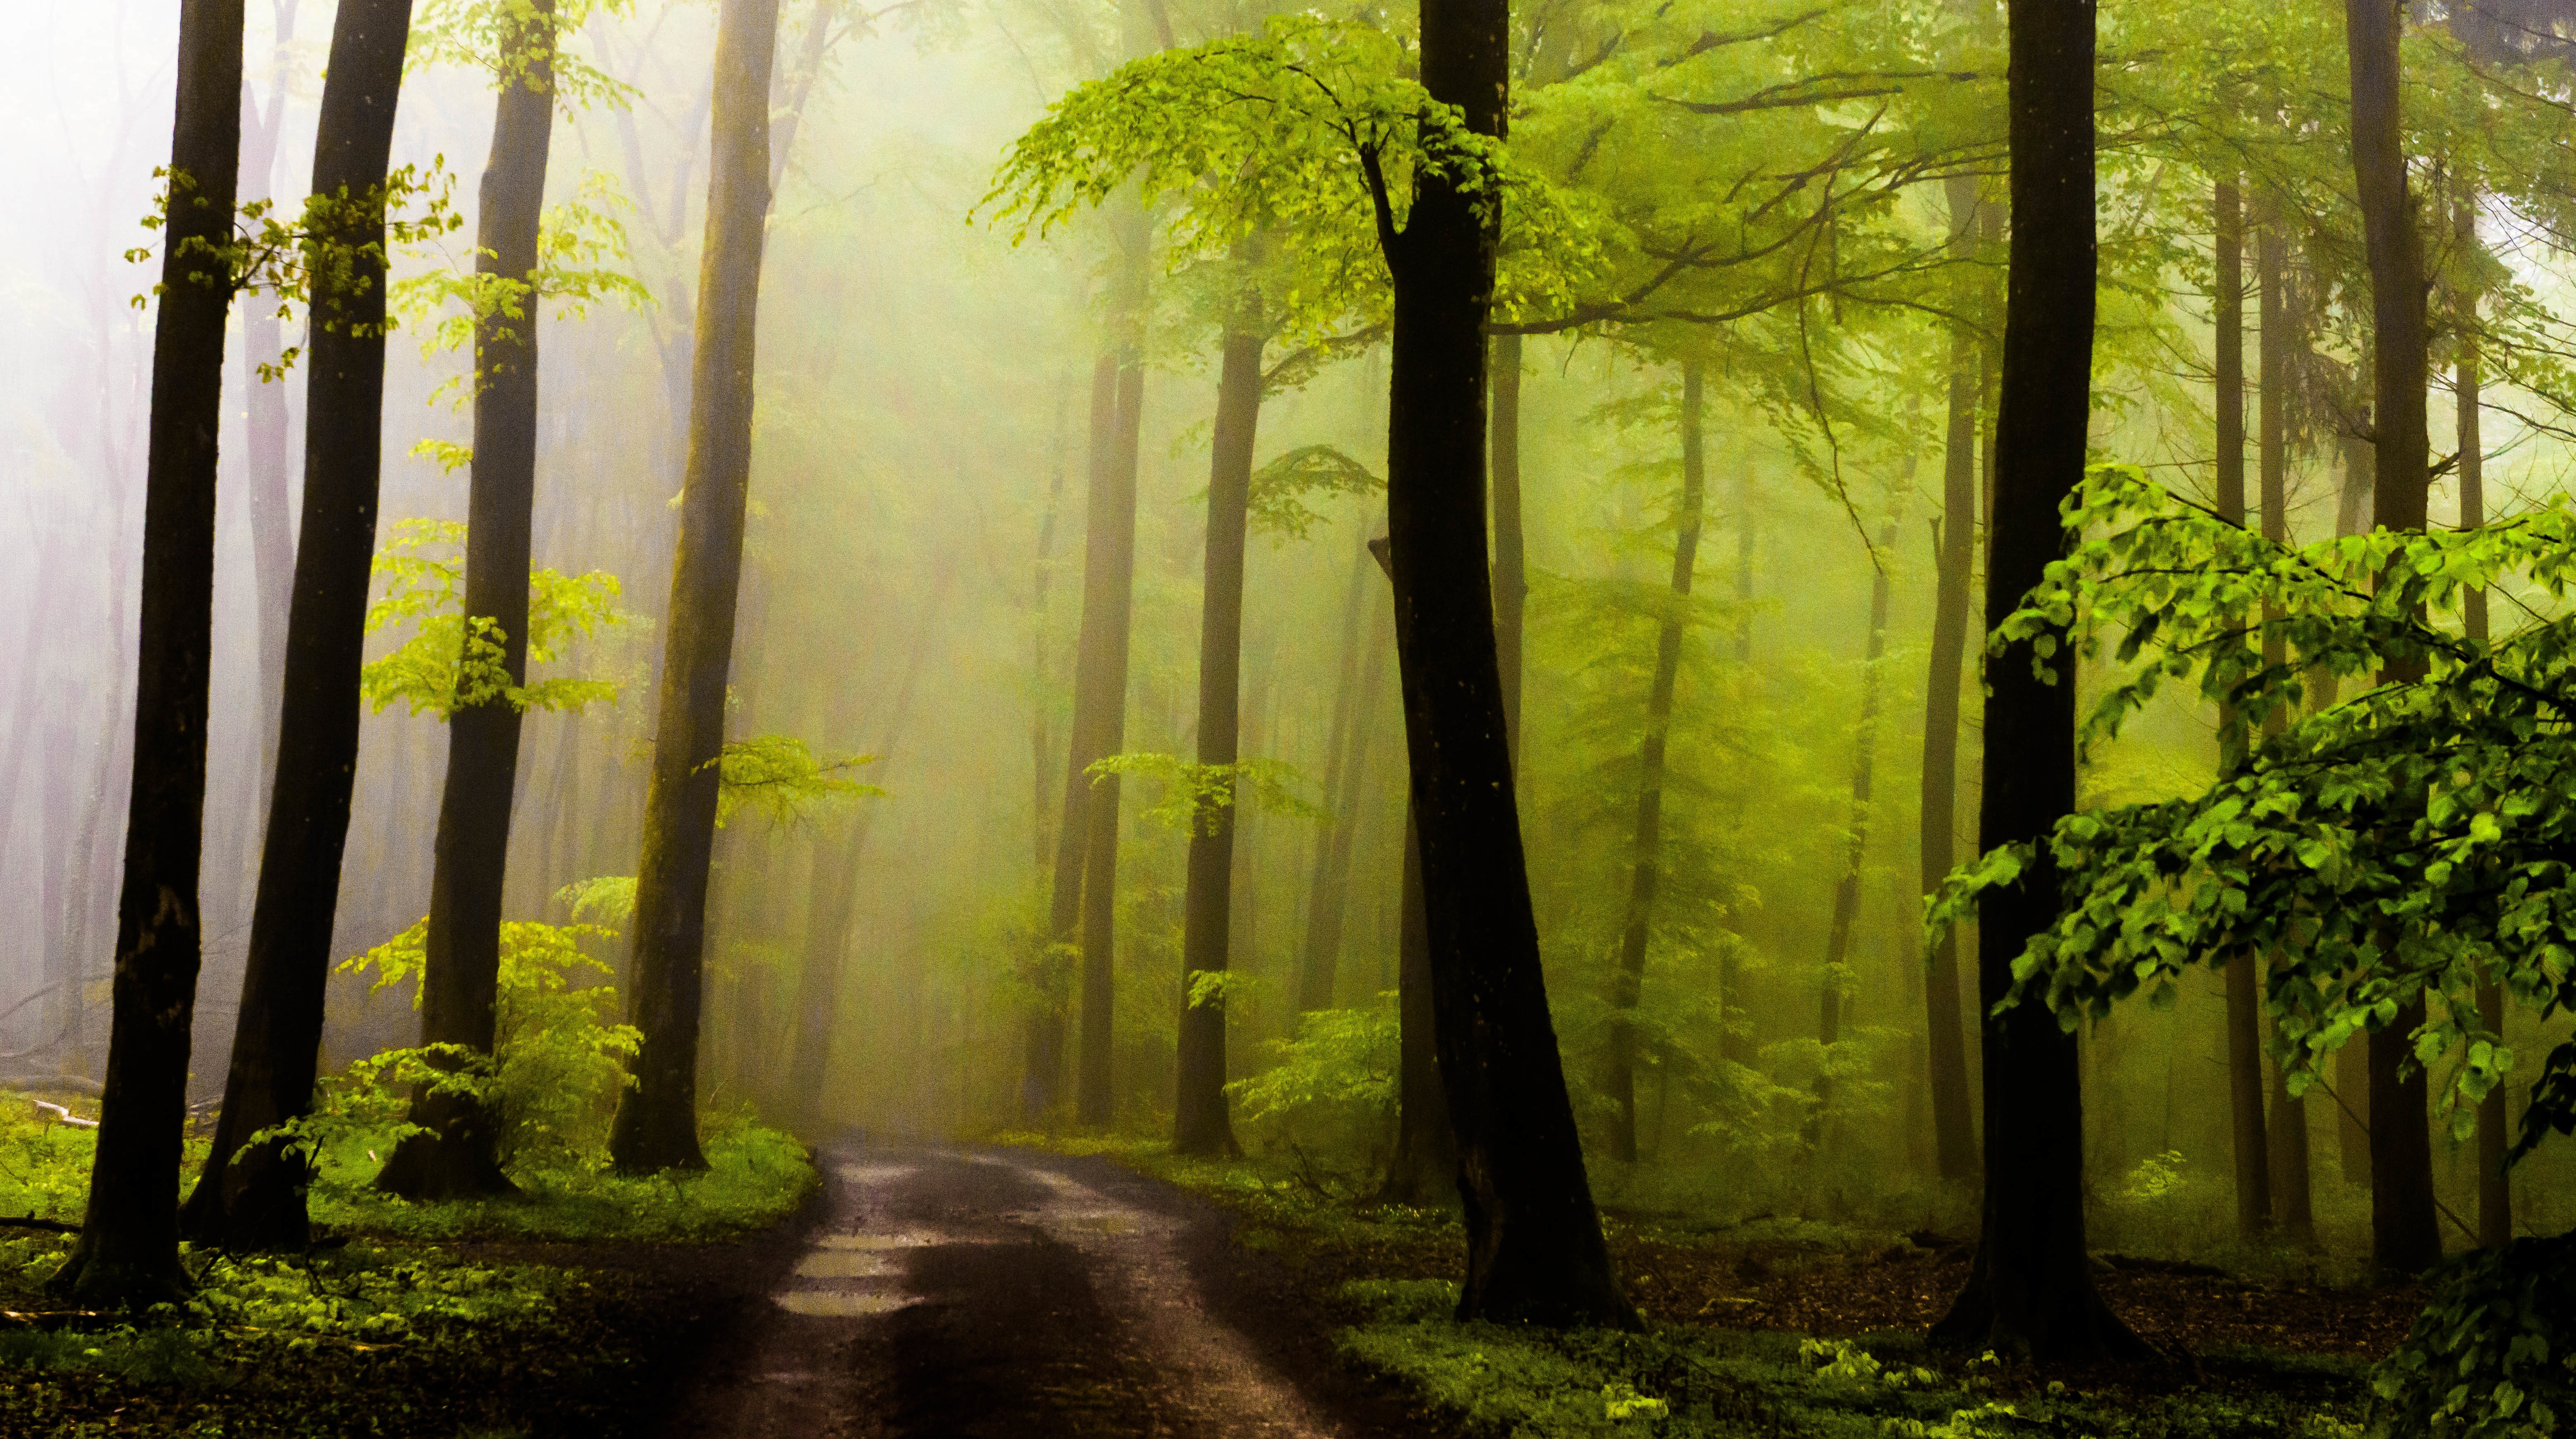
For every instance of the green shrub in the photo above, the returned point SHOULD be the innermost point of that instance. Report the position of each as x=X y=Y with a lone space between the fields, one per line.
x=2494 y=1354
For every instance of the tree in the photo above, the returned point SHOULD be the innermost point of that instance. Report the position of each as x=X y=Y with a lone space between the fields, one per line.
x=2495 y=1189
x=1355 y=698
x=1628 y=979
x=657 y=1121
x=454 y=1155
x=2249 y=1150
x=257 y=1200
x=2404 y=1235
x=2030 y=1289
x=1847 y=896
x=129 y=1244
x=1954 y=1140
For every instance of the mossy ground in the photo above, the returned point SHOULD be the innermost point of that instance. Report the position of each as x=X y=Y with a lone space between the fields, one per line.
x=402 y=1324
x=1385 y=1278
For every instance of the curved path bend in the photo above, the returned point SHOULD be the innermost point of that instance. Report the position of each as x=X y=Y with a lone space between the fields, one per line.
x=1004 y=1293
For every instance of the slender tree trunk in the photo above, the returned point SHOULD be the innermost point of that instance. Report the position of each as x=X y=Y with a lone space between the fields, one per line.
x=1102 y=693
x=2249 y=1150
x=1829 y=1015
x=656 y=1126
x=1627 y=982
x=1954 y=1134
x=1534 y=1246
x=1325 y=900
x=2404 y=1236
x=2030 y=1290
x=1040 y=585
x=1511 y=566
x=272 y=536
x=2286 y=1132
x=259 y=1202
x=129 y=1244
x=1199 y=1122
x=458 y=1157
x=835 y=894
x=2495 y=1186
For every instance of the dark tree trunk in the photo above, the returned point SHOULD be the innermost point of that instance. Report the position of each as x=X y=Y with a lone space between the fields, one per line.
x=1325 y=897
x=835 y=893
x=2404 y=1236
x=2249 y=1151
x=2030 y=1290
x=1534 y=1246
x=259 y=1202
x=1838 y=935
x=1100 y=695
x=458 y=1157
x=1954 y=1133
x=656 y=1126
x=1424 y=1170
x=1199 y=1122
x=1627 y=982
x=1511 y=565
x=129 y=1244
x=2286 y=1132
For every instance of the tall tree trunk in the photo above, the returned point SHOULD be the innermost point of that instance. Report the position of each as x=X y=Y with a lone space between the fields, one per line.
x=2404 y=1236
x=1102 y=692
x=458 y=1155
x=2030 y=1290
x=129 y=1244
x=1829 y=1013
x=2286 y=1132
x=2495 y=1186
x=835 y=894
x=258 y=1203
x=656 y=1126
x=1199 y=1122
x=1534 y=1245
x=1041 y=583
x=1325 y=901
x=2249 y=1150
x=1511 y=565
x=1954 y=1134
x=1627 y=982
x=272 y=537
x=1424 y=1170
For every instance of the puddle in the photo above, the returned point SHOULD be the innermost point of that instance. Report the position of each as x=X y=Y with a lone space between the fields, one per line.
x=839 y=1303
x=844 y=1264
x=872 y=1173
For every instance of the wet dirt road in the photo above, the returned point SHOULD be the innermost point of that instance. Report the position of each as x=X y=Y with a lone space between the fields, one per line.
x=1005 y=1293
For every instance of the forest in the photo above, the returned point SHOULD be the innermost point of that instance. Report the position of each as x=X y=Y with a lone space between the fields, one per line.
x=1146 y=717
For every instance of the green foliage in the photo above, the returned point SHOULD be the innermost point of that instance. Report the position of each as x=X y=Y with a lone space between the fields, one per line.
x=1342 y=1062
x=607 y=897
x=2494 y=1354
x=1196 y=796
x=505 y=39
x=558 y=1062
x=781 y=778
x=1281 y=489
x=450 y=661
x=2408 y=841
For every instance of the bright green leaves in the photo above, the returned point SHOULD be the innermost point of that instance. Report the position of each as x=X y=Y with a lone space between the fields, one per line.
x=451 y=659
x=781 y=778
x=507 y=39
x=1196 y=796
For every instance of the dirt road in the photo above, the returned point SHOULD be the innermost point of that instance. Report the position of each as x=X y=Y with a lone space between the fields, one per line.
x=1003 y=1293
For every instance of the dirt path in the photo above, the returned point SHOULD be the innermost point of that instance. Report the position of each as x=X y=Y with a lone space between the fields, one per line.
x=1003 y=1293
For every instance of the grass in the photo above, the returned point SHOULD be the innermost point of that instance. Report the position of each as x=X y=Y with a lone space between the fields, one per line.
x=390 y=1332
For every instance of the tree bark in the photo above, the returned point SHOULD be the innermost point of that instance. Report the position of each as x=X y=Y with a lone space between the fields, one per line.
x=2030 y=1290
x=1627 y=982
x=129 y=1244
x=1325 y=896
x=656 y=1125
x=1103 y=693
x=1954 y=1134
x=2249 y=1151
x=2404 y=1235
x=2286 y=1132
x=459 y=1157
x=1534 y=1246
x=258 y=1203
x=1199 y=1122
x=1424 y=1170
x=1511 y=565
